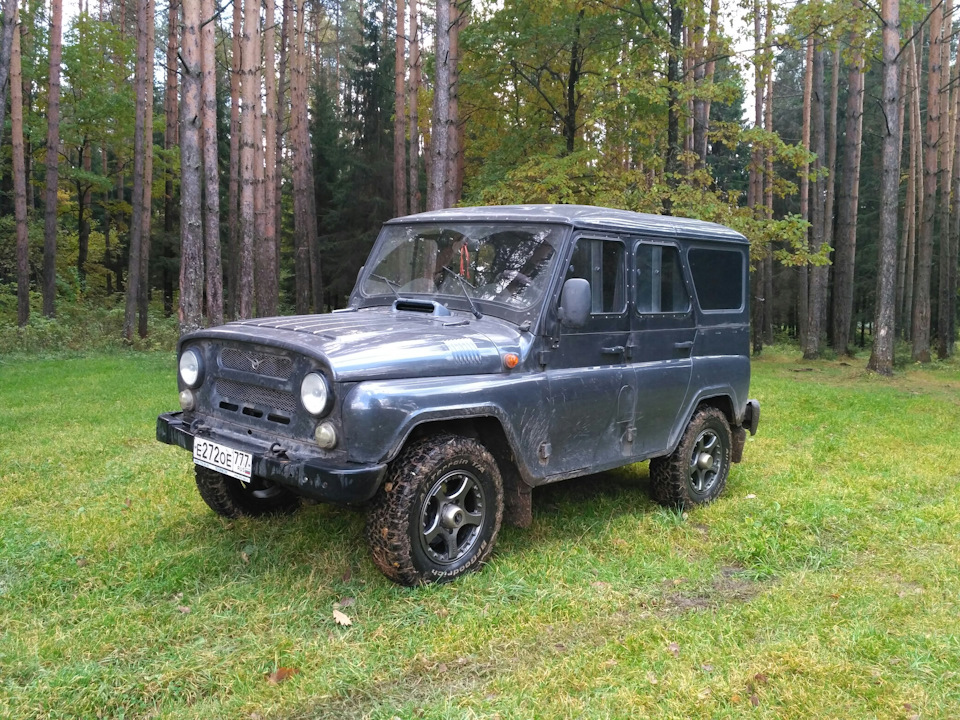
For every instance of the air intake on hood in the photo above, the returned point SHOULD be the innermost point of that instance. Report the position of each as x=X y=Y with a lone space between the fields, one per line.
x=430 y=307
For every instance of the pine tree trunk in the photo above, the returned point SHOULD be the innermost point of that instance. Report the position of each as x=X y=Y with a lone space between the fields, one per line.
x=881 y=358
x=439 y=136
x=53 y=161
x=931 y=167
x=146 y=216
x=944 y=304
x=249 y=58
x=454 y=149
x=916 y=170
x=269 y=274
x=768 y=181
x=213 y=264
x=19 y=182
x=413 y=98
x=139 y=165
x=191 y=214
x=170 y=140
x=672 y=160
x=846 y=240
x=911 y=194
x=803 y=272
x=400 y=118
x=233 y=190
x=282 y=124
x=304 y=202
x=8 y=22
x=818 y=273
x=831 y=168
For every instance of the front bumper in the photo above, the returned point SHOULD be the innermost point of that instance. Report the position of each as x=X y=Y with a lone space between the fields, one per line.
x=312 y=477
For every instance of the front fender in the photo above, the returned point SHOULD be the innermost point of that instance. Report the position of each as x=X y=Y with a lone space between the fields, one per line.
x=379 y=415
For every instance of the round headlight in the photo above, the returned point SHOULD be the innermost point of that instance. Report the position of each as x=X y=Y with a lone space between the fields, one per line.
x=314 y=393
x=191 y=371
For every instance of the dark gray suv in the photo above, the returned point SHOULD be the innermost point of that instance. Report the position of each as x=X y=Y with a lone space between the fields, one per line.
x=484 y=351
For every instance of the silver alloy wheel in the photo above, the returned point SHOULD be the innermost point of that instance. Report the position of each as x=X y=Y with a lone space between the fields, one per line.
x=451 y=517
x=706 y=461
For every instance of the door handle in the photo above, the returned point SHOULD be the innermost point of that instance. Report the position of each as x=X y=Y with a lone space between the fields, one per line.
x=615 y=350
x=688 y=345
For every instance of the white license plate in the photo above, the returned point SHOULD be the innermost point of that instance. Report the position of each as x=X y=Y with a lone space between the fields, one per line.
x=227 y=460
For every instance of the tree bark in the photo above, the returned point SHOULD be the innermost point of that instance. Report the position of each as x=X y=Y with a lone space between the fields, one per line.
x=8 y=22
x=304 y=202
x=803 y=272
x=768 y=179
x=53 y=161
x=910 y=202
x=191 y=214
x=916 y=143
x=399 y=118
x=170 y=140
x=282 y=122
x=147 y=209
x=945 y=256
x=881 y=358
x=818 y=273
x=703 y=79
x=19 y=182
x=233 y=191
x=213 y=264
x=672 y=160
x=931 y=167
x=413 y=186
x=439 y=135
x=249 y=58
x=846 y=240
x=139 y=165
x=268 y=303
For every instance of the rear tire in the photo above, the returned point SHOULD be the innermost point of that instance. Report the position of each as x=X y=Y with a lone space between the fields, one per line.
x=231 y=498
x=438 y=513
x=696 y=472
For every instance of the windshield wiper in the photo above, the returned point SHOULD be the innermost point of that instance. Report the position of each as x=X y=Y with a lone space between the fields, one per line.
x=394 y=287
x=463 y=287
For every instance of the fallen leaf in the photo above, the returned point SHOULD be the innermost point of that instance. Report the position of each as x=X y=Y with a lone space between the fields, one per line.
x=128 y=502
x=346 y=602
x=760 y=678
x=751 y=496
x=707 y=667
x=82 y=562
x=341 y=619
x=651 y=678
x=281 y=674
x=734 y=698
x=347 y=575
x=184 y=609
x=442 y=668
x=704 y=694
x=674 y=649
x=600 y=585
x=754 y=700
x=244 y=557
x=442 y=613
x=610 y=663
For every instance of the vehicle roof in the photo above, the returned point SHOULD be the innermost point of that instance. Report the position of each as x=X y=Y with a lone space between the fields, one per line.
x=585 y=217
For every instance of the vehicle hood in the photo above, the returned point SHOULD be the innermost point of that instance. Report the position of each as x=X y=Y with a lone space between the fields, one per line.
x=382 y=343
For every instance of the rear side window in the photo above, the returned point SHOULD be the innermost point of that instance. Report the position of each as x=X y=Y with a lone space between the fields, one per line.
x=718 y=278
x=660 y=287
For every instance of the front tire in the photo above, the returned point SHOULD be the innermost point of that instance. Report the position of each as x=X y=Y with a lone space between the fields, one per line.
x=231 y=498
x=696 y=472
x=438 y=513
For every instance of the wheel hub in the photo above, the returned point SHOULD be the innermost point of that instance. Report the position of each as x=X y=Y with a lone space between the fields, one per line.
x=705 y=461
x=451 y=516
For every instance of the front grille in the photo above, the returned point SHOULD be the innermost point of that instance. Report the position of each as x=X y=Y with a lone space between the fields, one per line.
x=275 y=366
x=242 y=394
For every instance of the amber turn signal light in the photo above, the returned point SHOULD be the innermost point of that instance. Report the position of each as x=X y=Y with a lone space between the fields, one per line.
x=511 y=360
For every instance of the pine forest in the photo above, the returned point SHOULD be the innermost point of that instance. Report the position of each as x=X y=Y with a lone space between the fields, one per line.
x=190 y=162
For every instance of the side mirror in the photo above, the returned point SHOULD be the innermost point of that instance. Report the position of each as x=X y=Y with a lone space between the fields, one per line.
x=575 y=301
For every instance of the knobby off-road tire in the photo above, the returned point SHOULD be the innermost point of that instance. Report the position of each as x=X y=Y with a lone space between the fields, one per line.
x=231 y=498
x=696 y=472
x=438 y=513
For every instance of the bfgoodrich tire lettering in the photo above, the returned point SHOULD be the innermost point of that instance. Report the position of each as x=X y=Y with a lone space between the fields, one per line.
x=231 y=498
x=438 y=513
x=696 y=472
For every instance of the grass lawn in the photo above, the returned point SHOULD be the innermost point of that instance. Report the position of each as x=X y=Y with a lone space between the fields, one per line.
x=825 y=583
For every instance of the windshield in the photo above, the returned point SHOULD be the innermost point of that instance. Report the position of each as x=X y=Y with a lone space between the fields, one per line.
x=503 y=263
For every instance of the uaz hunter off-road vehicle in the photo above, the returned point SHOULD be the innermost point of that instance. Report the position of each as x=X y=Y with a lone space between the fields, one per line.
x=484 y=352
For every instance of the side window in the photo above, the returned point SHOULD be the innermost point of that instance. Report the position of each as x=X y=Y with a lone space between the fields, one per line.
x=718 y=278
x=660 y=287
x=601 y=263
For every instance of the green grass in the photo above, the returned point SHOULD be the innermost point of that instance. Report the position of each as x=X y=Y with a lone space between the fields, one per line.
x=825 y=582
